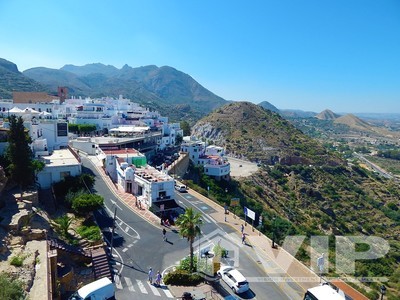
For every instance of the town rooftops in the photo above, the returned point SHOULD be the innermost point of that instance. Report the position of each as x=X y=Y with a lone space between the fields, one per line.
x=121 y=152
x=62 y=157
x=151 y=174
x=33 y=97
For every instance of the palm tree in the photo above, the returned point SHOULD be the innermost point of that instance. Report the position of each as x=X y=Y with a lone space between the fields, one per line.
x=63 y=224
x=189 y=227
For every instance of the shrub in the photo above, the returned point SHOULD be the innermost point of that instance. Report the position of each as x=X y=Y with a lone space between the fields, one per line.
x=87 y=203
x=17 y=261
x=92 y=233
x=11 y=288
x=182 y=277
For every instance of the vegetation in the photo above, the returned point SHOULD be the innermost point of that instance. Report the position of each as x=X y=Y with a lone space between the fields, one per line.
x=17 y=261
x=11 y=288
x=18 y=157
x=63 y=225
x=73 y=186
x=90 y=232
x=189 y=227
x=87 y=203
x=183 y=277
x=82 y=128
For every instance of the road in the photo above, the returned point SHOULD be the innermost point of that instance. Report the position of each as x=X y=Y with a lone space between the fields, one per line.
x=373 y=166
x=138 y=245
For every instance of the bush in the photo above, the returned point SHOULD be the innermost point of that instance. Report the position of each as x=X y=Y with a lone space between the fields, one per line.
x=182 y=277
x=11 y=288
x=87 y=203
x=92 y=233
x=17 y=261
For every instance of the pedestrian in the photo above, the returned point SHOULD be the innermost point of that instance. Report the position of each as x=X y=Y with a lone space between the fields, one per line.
x=243 y=238
x=140 y=204
x=241 y=228
x=151 y=275
x=158 y=278
x=164 y=233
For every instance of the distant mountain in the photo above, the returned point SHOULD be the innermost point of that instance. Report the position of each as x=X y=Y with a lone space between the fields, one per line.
x=13 y=80
x=90 y=69
x=164 y=88
x=296 y=113
x=354 y=122
x=327 y=115
x=267 y=105
x=260 y=135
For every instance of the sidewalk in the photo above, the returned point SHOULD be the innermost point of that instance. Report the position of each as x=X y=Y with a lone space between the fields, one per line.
x=278 y=263
x=127 y=198
x=297 y=278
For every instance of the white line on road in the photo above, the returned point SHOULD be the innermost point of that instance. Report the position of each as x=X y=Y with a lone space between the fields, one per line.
x=167 y=292
x=154 y=289
x=126 y=229
x=125 y=249
x=118 y=283
x=130 y=245
x=141 y=286
x=129 y=284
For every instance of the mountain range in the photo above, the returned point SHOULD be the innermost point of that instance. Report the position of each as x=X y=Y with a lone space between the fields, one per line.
x=166 y=89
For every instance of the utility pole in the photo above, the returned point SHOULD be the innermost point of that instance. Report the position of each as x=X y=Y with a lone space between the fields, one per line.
x=113 y=230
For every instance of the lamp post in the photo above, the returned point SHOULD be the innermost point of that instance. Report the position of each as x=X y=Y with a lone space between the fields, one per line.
x=273 y=232
x=113 y=229
x=383 y=291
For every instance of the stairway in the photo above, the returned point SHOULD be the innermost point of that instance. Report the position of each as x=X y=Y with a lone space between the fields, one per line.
x=101 y=266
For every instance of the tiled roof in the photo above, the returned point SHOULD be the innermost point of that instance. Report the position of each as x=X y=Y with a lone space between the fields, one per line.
x=32 y=97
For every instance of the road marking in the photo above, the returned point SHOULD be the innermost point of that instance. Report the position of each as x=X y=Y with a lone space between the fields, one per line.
x=118 y=263
x=126 y=229
x=154 y=289
x=125 y=249
x=130 y=245
x=120 y=223
x=118 y=283
x=166 y=291
x=188 y=197
x=206 y=218
x=180 y=201
x=141 y=286
x=129 y=284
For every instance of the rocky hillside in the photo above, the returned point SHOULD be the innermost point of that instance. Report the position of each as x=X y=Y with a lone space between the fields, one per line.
x=327 y=115
x=13 y=80
x=310 y=191
x=260 y=135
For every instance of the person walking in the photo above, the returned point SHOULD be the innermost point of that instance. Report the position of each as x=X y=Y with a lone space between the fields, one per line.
x=158 y=278
x=241 y=228
x=243 y=238
x=164 y=233
x=151 y=276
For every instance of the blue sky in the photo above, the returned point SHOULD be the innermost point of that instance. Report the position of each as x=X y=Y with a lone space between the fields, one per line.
x=343 y=55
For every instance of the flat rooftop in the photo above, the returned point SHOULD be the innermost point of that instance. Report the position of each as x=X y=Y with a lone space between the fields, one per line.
x=62 y=157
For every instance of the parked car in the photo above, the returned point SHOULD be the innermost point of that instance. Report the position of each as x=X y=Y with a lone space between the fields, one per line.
x=102 y=289
x=234 y=279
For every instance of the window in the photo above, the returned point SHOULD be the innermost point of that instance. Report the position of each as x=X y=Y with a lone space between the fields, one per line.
x=64 y=174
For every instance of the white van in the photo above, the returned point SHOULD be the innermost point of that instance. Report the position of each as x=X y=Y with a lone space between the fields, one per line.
x=180 y=187
x=102 y=289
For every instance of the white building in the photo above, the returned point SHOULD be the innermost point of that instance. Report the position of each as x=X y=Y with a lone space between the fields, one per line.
x=212 y=158
x=60 y=164
x=130 y=170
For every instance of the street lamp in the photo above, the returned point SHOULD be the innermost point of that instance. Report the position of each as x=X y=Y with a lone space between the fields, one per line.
x=113 y=228
x=383 y=291
x=273 y=232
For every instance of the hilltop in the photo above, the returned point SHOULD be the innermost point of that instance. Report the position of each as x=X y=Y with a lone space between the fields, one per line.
x=260 y=135
x=327 y=115
x=13 y=80
x=308 y=189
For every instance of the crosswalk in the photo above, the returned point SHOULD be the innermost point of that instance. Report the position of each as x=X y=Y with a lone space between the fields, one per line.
x=140 y=286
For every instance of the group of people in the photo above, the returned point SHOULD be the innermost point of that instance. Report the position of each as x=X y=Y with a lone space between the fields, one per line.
x=158 y=277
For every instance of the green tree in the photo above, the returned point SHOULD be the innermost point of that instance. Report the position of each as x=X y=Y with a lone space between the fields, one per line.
x=189 y=227
x=19 y=154
x=11 y=287
x=63 y=224
x=185 y=127
x=86 y=203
